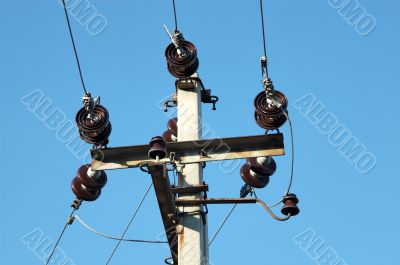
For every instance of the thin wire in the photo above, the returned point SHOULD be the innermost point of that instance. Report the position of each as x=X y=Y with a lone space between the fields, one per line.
x=175 y=17
x=59 y=238
x=129 y=224
x=73 y=45
x=117 y=238
x=222 y=224
x=292 y=144
x=263 y=35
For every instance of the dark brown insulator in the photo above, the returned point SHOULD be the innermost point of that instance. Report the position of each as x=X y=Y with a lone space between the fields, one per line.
x=94 y=127
x=157 y=148
x=167 y=136
x=260 y=169
x=171 y=135
x=182 y=66
x=269 y=123
x=268 y=116
x=290 y=205
x=259 y=181
x=97 y=182
x=83 y=193
x=172 y=126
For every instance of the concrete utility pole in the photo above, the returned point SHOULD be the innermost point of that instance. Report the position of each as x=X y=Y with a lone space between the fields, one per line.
x=192 y=229
x=182 y=208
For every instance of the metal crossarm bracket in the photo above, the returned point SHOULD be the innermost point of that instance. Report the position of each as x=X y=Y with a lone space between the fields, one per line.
x=194 y=202
x=190 y=190
x=191 y=151
x=165 y=198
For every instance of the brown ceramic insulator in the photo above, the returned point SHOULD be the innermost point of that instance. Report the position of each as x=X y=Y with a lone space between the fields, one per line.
x=269 y=123
x=172 y=126
x=260 y=169
x=94 y=127
x=267 y=116
x=256 y=182
x=182 y=66
x=98 y=138
x=84 y=193
x=171 y=135
x=97 y=182
x=290 y=205
x=167 y=136
x=157 y=148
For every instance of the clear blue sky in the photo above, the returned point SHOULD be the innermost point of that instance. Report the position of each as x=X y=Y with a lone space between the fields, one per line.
x=311 y=48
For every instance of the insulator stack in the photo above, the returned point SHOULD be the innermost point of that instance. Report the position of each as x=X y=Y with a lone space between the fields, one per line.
x=290 y=205
x=182 y=61
x=87 y=184
x=157 y=148
x=94 y=126
x=171 y=134
x=256 y=171
x=269 y=113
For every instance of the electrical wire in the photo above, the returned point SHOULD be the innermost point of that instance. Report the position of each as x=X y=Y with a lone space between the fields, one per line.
x=222 y=224
x=60 y=236
x=117 y=238
x=129 y=223
x=264 y=38
x=74 y=47
x=264 y=62
x=175 y=17
x=286 y=113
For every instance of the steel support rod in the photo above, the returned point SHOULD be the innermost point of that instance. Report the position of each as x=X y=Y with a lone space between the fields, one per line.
x=192 y=231
x=185 y=202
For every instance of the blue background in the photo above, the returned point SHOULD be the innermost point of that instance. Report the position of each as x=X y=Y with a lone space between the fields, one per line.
x=311 y=49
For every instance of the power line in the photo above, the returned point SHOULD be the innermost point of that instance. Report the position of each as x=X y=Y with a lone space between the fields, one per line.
x=129 y=224
x=222 y=224
x=61 y=235
x=292 y=155
x=73 y=45
x=117 y=238
x=175 y=17
x=264 y=38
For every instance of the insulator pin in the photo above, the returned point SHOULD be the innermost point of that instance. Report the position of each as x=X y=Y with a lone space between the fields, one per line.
x=290 y=205
x=94 y=126
x=157 y=148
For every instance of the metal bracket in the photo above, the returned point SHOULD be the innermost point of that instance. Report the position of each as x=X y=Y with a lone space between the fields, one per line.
x=191 y=151
x=196 y=202
x=165 y=198
x=189 y=190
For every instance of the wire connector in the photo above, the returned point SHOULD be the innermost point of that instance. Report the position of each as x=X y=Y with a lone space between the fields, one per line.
x=76 y=204
x=264 y=66
x=89 y=102
x=246 y=190
x=177 y=39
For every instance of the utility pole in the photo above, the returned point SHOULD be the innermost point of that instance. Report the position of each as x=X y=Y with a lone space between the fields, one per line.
x=183 y=209
x=192 y=229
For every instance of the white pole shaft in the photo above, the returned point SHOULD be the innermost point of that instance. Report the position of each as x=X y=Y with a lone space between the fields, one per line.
x=192 y=239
